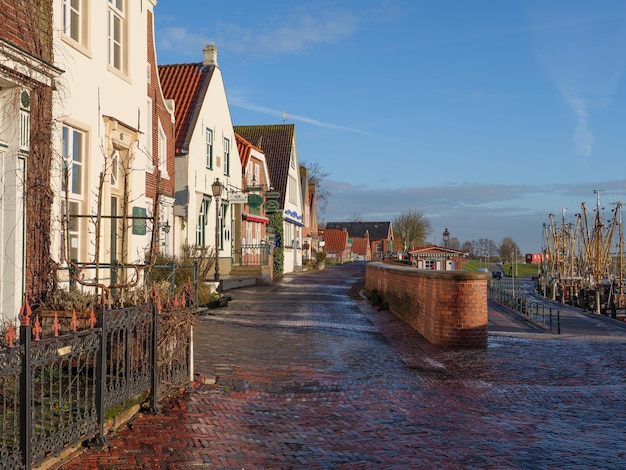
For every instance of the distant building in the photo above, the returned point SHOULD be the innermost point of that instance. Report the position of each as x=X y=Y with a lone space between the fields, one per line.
x=437 y=258
x=380 y=235
x=337 y=245
x=361 y=249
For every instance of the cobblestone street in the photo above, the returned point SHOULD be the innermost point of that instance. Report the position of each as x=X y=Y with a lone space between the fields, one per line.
x=309 y=376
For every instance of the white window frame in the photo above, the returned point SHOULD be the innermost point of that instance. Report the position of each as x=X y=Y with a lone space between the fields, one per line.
x=226 y=156
x=149 y=143
x=75 y=157
x=24 y=129
x=203 y=217
x=293 y=190
x=116 y=35
x=249 y=232
x=72 y=20
x=115 y=168
x=162 y=152
x=209 y=148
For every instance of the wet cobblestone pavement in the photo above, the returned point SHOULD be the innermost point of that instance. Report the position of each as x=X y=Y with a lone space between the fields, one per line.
x=307 y=377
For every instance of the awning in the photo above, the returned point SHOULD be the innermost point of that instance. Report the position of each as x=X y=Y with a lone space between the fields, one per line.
x=293 y=221
x=255 y=218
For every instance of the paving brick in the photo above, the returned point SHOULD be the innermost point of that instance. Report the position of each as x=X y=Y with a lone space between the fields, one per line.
x=305 y=376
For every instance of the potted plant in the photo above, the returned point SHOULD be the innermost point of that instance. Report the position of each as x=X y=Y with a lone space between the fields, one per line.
x=321 y=260
x=216 y=299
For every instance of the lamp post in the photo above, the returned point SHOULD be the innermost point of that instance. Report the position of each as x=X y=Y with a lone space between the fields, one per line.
x=446 y=238
x=217 y=187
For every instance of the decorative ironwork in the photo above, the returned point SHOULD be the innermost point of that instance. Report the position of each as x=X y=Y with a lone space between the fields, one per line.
x=55 y=390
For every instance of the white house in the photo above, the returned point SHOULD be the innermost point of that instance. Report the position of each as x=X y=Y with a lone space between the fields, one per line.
x=206 y=154
x=278 y=142
x=103 y=150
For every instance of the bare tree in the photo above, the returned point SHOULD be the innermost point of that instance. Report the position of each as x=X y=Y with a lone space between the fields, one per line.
x=317 y=176
x=355 y=217
x=508 y=249
x=411 y=228
x=454 y=243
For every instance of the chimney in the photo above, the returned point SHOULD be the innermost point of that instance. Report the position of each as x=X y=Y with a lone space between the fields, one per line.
x=210 y=55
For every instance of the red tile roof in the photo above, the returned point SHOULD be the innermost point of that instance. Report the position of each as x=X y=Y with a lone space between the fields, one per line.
x=335 y=240
x=244 y=148
x=186 y=84
x=361 y=246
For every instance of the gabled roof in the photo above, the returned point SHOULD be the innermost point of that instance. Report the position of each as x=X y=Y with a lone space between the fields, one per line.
x=435 y=249
x=361 y=246
x=335 y=240
x=377 y=230
x=186 y=84
x=244 y=148
x=276 y=141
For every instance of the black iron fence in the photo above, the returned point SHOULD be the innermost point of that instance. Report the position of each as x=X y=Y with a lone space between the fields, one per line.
x=535 y=310
x=58 y=391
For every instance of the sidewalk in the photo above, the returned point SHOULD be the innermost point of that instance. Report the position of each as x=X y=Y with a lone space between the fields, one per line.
x=301 y=375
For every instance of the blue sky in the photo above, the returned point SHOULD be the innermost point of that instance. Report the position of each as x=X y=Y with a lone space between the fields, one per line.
x=487 y=116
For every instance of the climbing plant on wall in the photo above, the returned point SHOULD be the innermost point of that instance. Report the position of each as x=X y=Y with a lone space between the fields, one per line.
x=276 y=222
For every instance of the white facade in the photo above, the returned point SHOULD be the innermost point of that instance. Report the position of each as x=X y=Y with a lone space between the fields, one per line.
x=293 y=215
x=212 y=155
x=102 y=117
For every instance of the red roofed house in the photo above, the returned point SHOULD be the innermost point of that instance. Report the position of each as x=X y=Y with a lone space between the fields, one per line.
x=361 y=249
x=380 y=235
x=278 y=142
x=252 y=248
x=432 y=257
x=206 y=153
x=337 y=245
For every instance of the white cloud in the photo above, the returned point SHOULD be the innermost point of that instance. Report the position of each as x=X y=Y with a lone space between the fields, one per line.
x=296 y=32
x=472 y=211
x=581 y=49
x=183 y=41
x=239 y=102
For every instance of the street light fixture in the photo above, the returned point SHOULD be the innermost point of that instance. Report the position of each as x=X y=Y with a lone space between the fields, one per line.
x=217 y=187
x=446 y=238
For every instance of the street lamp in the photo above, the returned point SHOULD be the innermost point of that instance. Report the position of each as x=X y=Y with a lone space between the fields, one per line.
x=217 y=187
x=446 y=238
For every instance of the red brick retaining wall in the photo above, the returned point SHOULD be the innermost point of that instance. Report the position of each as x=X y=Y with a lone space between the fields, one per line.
x=448 y=308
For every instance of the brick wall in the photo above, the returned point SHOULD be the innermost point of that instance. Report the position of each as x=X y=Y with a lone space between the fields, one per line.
x=448 y=308
x=162 y=115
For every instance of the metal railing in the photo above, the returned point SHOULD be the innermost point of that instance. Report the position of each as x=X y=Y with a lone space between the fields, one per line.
x=536 y=311
x=252 y=255
x=56 y=391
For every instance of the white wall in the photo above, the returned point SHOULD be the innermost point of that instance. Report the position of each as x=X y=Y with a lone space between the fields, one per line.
x=110 y=107
x=193 y=173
